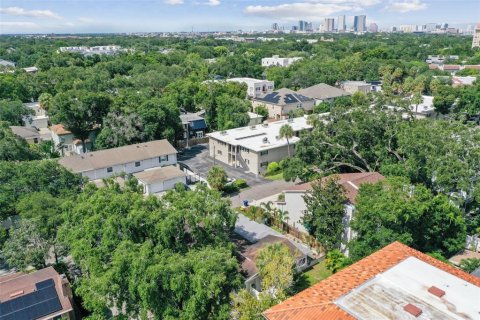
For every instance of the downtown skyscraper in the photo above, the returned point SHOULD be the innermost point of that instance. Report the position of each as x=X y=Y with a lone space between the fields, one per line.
x=341 y=25
x=360 y=23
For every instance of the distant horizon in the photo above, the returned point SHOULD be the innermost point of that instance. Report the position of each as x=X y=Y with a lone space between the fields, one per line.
x=136 y=16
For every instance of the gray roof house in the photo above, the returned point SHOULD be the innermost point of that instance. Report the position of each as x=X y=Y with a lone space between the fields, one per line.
x=280 y=102
x=30 y=134
x=323 y=92
x=127 y=159
x=252 y=237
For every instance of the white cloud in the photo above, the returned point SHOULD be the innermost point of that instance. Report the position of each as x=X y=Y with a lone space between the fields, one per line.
x=213 y=3
x=309 y=9
x=17 y=11
x=174 y=2
x=406 y=6
x=292 y=11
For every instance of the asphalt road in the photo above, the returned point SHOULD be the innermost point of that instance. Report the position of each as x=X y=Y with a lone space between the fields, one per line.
x=196 y=158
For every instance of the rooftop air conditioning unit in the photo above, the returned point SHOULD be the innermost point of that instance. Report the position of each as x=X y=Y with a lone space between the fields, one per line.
x=265 y=140
x=252 y=127
x=223 y=132
x=265 y=125
x=290 y=120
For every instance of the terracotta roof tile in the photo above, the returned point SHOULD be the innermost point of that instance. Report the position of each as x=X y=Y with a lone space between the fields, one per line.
x=317 y=302
x=350 y=181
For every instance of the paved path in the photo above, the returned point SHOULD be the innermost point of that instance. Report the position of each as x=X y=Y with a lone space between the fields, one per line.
x=260 y=191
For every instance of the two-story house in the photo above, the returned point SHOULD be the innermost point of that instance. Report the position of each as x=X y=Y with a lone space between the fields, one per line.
x=295 y=205
x=279 y=103
x=127 y=159
x=66 y=143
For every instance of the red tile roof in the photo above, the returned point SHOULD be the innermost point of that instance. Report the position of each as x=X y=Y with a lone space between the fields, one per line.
x=59 y=129
x=350 y=181
x=451 y=67
x=317 y=302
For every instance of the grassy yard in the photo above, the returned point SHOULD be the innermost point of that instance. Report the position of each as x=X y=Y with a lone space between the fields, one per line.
x=278 y=176
x=315 y=274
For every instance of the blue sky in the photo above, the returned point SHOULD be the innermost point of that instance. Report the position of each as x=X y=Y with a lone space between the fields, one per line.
x=77 y=16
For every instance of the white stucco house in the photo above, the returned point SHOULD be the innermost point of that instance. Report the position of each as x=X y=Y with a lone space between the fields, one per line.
x=127 y=159
x=67 y=144
x=279 y=61
x=39 y=119
x=255 y=87
x=160 y=179
x=294 y=202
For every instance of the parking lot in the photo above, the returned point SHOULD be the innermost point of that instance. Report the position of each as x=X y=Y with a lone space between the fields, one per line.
x=196 y=158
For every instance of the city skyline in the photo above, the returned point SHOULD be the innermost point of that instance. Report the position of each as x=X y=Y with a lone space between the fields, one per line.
x=80 y=16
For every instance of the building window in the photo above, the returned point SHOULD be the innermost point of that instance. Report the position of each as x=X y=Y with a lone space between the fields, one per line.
x=247 y=161
x=264 y=153
x=163 y=158
x=109 y=169
x=137 y=164
x=264 y=164
x=219 y=152
x=35 y=140
x=199 y=134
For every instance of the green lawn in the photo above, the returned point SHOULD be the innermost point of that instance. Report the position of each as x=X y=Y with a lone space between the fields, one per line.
x=315 y=274
x=278 y=176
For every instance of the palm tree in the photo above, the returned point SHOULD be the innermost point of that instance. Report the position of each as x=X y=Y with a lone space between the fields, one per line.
x=416 y=100
x=286 y=132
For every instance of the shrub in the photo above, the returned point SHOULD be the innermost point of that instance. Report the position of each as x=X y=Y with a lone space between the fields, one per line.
x=272 y=168
x=230 y=188
x=241 y=183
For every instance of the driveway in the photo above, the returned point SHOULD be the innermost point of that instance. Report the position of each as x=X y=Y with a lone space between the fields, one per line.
x=260 y=191
x=197 y=159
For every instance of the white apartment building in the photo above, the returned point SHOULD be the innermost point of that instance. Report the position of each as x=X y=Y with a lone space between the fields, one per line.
x=476 y=37
x=253 y=148
x=255 y=87
x=279 y=62
x=127 y=159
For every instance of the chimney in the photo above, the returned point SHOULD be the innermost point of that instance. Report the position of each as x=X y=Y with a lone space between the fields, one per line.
x=413 y=310
x=436 y=291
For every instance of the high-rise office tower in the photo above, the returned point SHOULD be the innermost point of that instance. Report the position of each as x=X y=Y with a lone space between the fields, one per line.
x=302 y=25
x=329 y=25
x=360 y=23
x=309 y=27
x=341 y=25
x=429 y=27
x=275 y=27
x=373 y=28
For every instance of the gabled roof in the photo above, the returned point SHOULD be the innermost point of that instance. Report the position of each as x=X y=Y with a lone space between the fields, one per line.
x=159 y=174
x=323 y=91
x=24 y=132
x=350 y=181
x=283 y=97
x=321 y=301
x=59 y=130
x=117 y=156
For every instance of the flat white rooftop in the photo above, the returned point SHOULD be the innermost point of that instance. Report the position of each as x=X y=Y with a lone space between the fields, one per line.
x=386 y=295
x=263 y=136
x=248 y=80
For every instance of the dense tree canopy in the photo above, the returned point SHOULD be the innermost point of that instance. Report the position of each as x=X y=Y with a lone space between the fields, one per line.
x=151 y=255
x=394 y=210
